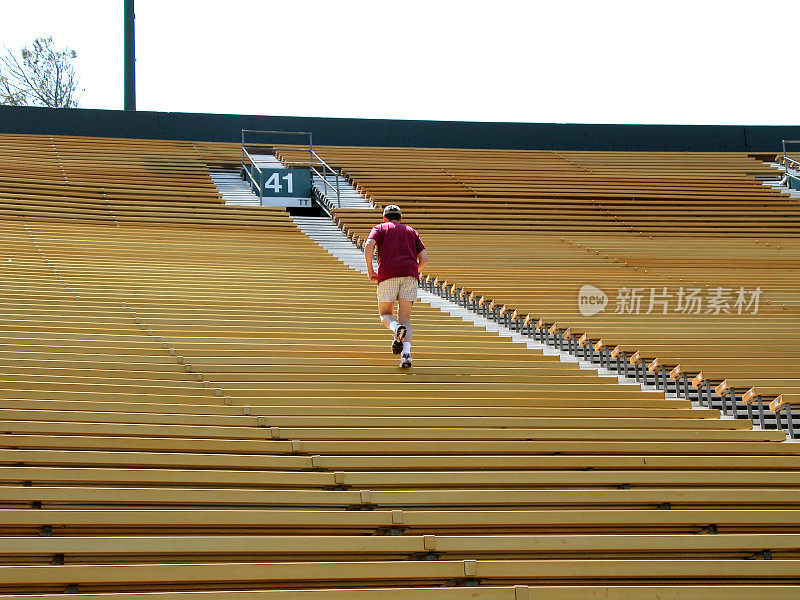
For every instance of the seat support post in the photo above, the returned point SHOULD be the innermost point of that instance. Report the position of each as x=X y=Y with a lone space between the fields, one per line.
x=761 y=420
x=789 y=422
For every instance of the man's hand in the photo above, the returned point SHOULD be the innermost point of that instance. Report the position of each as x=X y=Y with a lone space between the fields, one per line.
x=422 y=260
x=369 y=252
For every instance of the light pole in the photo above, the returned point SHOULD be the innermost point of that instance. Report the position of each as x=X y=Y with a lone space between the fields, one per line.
x=130 y=57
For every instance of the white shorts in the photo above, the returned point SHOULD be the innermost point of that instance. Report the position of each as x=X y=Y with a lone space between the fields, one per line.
x=398 y=288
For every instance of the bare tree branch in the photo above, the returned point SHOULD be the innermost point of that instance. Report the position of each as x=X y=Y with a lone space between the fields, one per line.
x=45 y=76
x=10 y=95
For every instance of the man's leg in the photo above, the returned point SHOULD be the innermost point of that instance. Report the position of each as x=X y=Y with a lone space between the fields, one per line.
x=404 y=317
x=386 y=311
x=387 y=296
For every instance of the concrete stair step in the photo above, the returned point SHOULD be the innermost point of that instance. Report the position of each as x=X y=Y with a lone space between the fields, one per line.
x=234 y=191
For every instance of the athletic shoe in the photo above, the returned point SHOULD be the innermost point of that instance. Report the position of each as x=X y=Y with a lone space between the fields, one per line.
x=405 y=361
x=397 y=342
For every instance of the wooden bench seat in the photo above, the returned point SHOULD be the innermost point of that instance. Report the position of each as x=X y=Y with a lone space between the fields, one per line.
x=484 y=592
x=565 y=420
x=641 y=498
x=722 y=431
x=254 y=575
x=184 y=549
x=282 y=522
x=784 y=400
x=177 y=411
x=745 y=383
x=283 y=473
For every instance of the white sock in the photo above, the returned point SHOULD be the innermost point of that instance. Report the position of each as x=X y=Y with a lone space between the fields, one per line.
x=393 y=326
x=406 y=347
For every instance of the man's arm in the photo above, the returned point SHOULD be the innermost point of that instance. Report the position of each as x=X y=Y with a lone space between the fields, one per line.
x=369 y=252
x=422 y=259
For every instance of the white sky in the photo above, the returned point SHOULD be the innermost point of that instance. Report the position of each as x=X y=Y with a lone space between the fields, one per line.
x=699 y=62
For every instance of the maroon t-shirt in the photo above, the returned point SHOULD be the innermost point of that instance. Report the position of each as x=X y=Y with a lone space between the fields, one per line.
x=398 y=247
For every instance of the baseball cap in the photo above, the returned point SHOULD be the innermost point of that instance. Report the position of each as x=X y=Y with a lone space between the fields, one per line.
x=391 y=209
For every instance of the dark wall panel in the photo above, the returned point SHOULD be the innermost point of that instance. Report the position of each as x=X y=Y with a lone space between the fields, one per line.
x=384 y=132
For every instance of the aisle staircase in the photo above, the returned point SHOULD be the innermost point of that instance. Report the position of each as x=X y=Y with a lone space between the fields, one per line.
x=348 y=196
x=782 y=184
x=267 y=161
x=327 y=191
x=234 y=190
x=327 y=235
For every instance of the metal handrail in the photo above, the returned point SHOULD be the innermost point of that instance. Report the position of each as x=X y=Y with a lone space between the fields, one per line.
x=273 y=132
x=311 y=162
x=330 y=185
x=784 y=158
x=789 y=176
x=334 y=189
x=321 y=160
x=250 y=158
x=255 y=184
x=245 y=153
x=321 y=176
x=326 y=167
x=325 y=181
x=791 y=160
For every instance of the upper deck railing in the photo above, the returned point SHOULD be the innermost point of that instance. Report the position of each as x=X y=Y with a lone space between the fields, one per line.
x=788 y=161
x=316 y=164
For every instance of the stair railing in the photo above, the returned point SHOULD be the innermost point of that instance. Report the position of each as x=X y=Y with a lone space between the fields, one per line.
x=788 y=161
x=315 y=162
x=326 y=168
x=253 y=182
x=789 y=164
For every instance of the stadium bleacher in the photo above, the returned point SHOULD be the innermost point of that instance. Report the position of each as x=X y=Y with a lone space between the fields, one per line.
x=207 y=408
x=644 y=227
x=118 y=182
